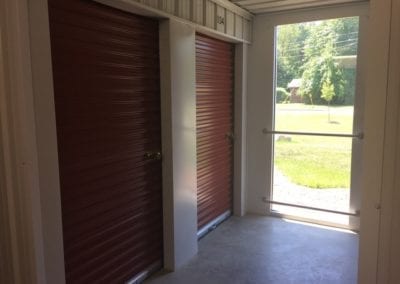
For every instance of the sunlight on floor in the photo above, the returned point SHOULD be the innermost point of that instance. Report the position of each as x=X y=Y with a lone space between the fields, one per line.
x=320 y=226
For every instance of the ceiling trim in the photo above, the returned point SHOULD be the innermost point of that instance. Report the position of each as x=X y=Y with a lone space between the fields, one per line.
x=269 y=6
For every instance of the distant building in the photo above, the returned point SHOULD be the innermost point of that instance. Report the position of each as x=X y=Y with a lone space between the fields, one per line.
x=347 y=61
x=294 y=86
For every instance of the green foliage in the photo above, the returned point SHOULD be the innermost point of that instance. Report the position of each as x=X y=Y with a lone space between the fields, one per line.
x=346 y=30
x=328 y=91
x=282 y=95
x=320 y=65
x=290 y=52
x=308 y=51
x=317 y=71
x=349 y=77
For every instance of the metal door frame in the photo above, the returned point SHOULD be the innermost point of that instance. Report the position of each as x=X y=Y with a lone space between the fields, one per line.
x=293 y=17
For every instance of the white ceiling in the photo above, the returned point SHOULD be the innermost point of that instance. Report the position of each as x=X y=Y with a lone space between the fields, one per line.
x=267 y=6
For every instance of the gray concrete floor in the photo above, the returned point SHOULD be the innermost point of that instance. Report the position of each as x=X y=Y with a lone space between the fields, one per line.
x=258 y=249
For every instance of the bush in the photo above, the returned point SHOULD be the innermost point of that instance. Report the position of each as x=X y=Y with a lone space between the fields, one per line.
x=282 y=95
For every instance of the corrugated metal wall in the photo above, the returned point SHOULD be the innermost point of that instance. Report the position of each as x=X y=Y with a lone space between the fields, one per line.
x=215 y=15
x=214 y=88
x=107 y=96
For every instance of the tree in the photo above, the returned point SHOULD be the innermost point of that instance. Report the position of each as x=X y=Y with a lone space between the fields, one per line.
x=347 y=35
x=328 y=93
x=320 y=63
x=309 y=51
x=290 y=52
x=347 y=29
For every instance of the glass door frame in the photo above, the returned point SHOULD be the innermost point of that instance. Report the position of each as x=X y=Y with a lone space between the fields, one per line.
x=294 y=17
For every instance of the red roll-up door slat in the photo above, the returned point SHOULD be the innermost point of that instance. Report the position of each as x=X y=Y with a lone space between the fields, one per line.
x=214 y=88
x=107 y=100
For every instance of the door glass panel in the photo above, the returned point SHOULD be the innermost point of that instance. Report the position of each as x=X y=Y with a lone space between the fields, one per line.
x=315 y=172
x=316 y=72
x=315 y=93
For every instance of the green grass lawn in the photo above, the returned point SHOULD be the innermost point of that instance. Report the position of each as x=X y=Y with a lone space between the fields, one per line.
x=313 y=161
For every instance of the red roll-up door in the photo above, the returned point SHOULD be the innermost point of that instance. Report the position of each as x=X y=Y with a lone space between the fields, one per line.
x=214 y=88
x=107 y=100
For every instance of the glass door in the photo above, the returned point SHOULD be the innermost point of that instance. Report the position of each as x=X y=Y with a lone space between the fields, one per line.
x=314 y=137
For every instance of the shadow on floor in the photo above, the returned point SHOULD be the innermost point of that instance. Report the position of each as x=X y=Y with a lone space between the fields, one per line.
x=258 y=249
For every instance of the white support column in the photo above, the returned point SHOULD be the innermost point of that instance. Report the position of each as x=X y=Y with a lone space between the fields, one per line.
x=373 y=165
x=239 y=169
x=178 y=101
x=30 y=189
x=259 y=115
x=46 y=137
x=389 y=227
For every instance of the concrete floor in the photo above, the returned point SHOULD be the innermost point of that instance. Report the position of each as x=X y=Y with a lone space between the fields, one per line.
x=257 y=249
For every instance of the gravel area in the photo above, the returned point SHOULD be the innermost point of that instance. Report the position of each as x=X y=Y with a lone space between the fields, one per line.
x=327 y=198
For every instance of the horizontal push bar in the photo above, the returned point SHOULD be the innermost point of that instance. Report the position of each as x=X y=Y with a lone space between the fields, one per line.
x=355 y=214
x=359 y=135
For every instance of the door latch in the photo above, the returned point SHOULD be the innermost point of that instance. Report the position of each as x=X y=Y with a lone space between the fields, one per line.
x=230 y=137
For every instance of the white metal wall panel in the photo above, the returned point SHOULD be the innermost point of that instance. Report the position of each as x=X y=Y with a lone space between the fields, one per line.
x=230 y=23
x=184 y=9
x=198 y=16
x=247 y=30
x=220 y=16
x=210 y=14
x=220 y=19
x=151 y=3
x=168 y=6
x=238 y=26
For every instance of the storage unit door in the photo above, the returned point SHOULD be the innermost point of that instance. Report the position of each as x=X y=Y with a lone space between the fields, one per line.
x=107 y=100
x=214 y=88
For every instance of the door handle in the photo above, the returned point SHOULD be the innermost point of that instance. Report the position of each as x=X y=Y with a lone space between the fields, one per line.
x=150 y=155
